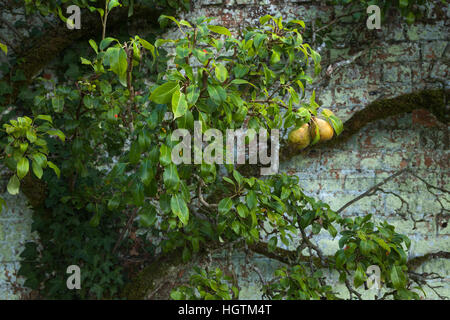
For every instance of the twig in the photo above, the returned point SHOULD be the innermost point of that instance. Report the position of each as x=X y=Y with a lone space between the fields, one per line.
x=371 y=191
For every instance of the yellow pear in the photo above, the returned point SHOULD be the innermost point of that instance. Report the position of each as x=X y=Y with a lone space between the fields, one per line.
x=300 y=138
x=325 y=130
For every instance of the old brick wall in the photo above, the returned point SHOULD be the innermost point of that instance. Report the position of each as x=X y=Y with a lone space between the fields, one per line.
x=407 y=59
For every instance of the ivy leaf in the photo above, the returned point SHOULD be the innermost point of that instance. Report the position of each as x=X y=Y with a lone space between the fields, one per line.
x=179 y=208
x=163 y=94
x=13 y=185
x=179 y=104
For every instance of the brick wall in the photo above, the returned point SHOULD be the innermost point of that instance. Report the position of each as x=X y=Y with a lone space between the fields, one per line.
x=406 y=57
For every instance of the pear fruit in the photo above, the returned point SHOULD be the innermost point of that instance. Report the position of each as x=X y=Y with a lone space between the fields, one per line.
x=300 y=138
x=325 y=130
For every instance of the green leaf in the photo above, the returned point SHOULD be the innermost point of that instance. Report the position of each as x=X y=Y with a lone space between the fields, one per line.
x=403 y=3
x=176 y=295
x=179 y=104
x=118 y=63
x=217 y=94
x=410 y=18
x=398 y=278
x=37 y=169
x=275 y=58
x=40 y=159
x=54 y=167
x=179 y=208
x=336 y=123
x=221 y=72
x=4 y=48
x=193 y=93
x=112 y=4
x=106 y=42
x=252 y=201
x=146 y=172
x=93 y=45
x=147 y=216
x=85 y=61
x=114 y=203
x=242 y=210
x=45 y=117
x=171 y=178
x=300 y=22
x=58 y=104
x=360 y=276
x=13 y=185
x=163 y=93
x=31 y=135
x=242 y=81
x=220 y=30
x=149 y=47
x=225 y=205
x=165 y=155
x=58 y=133
x=22 y=167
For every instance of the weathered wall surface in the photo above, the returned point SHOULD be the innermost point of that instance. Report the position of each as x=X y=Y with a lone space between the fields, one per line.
x=408 y=58
x=15 y=230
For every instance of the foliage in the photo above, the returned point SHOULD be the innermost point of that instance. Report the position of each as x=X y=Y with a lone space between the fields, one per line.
x=298 y=284
x=206 y=285
x=68 y=238
x=56 y=6
x=25 y=144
